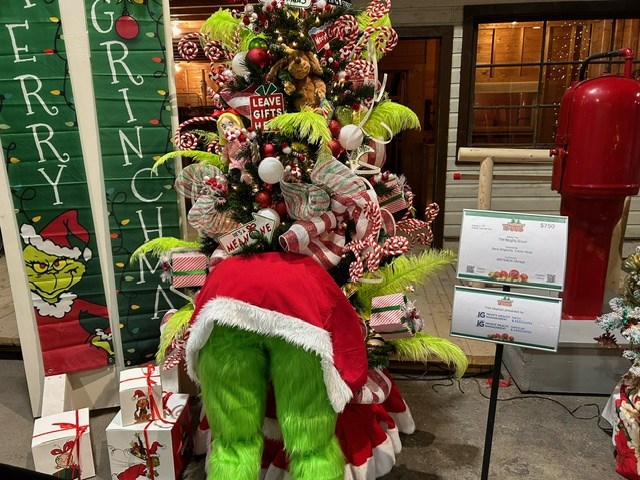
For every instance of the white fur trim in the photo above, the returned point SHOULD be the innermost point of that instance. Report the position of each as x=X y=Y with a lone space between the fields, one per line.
x=379 y=464
x=404 y=420
x=57 y=310
x=30 y=237
x=234 y=313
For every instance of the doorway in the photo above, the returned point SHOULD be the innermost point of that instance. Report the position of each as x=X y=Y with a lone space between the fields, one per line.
x=419 y=77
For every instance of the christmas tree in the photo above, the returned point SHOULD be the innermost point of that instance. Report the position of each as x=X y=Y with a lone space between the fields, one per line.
x=290 y=162
x=291 y=158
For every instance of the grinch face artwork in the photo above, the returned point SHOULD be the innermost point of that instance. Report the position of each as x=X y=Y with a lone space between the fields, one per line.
x=75 y=333
x=51 y=276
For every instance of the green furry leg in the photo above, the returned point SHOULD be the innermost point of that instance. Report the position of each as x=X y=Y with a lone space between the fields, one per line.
x=305 y=415
x=232 y=368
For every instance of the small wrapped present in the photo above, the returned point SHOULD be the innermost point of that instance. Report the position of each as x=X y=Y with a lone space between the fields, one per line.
x=61 y=445
x=189 y=268
x=140 y=394
x=158 y=449
x=389 y=316
x=395 y=200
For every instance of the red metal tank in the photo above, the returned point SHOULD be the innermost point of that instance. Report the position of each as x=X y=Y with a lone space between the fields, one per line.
x=596 y=165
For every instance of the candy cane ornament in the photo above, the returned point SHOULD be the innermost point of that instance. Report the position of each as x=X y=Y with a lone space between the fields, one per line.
x=378 y=9
x=179 y=135
x=187 y=47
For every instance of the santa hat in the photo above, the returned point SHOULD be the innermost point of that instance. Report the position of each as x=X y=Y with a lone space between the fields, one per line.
x=55 y=238
x=138 y=394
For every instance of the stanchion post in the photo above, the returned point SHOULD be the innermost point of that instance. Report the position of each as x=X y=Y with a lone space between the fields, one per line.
x=493 y=402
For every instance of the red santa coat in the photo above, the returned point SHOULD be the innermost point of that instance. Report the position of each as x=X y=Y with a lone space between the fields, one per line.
x=65 y=343
x=292 y=297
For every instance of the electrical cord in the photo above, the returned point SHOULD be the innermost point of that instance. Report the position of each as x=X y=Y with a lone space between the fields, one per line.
x=451 y=381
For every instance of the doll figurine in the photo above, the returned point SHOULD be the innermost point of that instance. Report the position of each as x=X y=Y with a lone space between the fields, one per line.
x=230 y=133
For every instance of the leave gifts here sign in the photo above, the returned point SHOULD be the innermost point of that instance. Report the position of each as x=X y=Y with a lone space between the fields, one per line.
x=513 y=249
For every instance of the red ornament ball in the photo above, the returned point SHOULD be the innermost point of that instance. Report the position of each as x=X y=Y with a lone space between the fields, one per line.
x=268 y=150
x=263 y=199
x=259 y=57
x=127 y=27
x=334 y=128
x=335 y=147
x=281 y=208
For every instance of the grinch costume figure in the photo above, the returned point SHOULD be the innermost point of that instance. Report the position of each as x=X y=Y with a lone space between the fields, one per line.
x=277 y=316
x=304 y=237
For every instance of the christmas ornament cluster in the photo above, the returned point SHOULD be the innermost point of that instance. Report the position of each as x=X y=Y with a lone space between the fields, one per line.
x=292 y=157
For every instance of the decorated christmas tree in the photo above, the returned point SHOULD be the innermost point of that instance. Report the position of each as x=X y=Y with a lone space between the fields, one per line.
x=625 y=319
x=286 y=183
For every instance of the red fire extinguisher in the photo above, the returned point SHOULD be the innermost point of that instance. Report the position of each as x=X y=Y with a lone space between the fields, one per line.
x=596 y=165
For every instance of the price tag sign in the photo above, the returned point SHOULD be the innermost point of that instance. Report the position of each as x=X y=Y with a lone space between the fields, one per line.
x=513 y=249
x=511 y=318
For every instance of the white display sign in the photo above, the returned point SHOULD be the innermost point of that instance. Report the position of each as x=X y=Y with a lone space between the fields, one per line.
x=513 y=248
x=243 y=236
x=504 y=317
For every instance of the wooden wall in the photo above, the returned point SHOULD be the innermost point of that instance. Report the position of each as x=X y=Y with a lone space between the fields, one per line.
x=534 y=197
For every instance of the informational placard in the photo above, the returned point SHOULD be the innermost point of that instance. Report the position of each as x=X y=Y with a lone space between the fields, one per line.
x=513 y=249
x=504 y=317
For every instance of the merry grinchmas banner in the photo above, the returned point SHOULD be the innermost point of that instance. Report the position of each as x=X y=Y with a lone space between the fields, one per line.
x=45 y=166
x=134 y=118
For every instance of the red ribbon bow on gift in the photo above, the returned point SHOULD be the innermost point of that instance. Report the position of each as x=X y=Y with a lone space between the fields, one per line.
x=336 y=196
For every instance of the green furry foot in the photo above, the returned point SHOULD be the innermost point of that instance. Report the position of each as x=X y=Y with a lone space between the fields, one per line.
x=324 y=464
x=236 y=461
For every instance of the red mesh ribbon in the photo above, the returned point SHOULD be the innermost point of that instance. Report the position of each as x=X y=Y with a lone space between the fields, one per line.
x=68 y=446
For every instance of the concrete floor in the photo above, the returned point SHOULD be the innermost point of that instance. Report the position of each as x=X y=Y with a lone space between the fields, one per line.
x=535 y=437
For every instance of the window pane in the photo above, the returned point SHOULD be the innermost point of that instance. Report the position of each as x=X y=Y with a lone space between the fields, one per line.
x=514 y=42
x=555 y=81
x=568 y=41
x=547 y=122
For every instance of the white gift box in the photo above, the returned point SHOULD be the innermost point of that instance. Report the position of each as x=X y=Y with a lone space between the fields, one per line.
x=140 y=394
x=61 y=445
x=158 y=449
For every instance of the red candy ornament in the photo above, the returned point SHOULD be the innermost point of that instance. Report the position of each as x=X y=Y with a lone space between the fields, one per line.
x=334 y=128
x=263 y=199
x=259 y=57
x=127 y=27
x=268 y=150
x=335 y=147
x=281 y=208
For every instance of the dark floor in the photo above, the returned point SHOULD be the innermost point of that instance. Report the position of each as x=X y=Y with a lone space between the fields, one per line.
x=536 y=437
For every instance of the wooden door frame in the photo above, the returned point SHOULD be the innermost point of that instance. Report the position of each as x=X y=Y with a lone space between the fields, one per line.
x=445 y=34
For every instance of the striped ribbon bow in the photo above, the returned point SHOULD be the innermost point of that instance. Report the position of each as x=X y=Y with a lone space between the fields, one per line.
x=322 y=209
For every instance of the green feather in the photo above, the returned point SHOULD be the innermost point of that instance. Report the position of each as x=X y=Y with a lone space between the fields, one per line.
x=364 y=21
x=161 y=246
x=197 y=155
x=397 y=117
x=403 y=272
x=306 y=125
x=422 y=347
x=222 y=26
x=175 y=327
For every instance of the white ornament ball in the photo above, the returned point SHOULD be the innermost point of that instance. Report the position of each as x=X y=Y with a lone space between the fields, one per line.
x=270 y=170
x=350 y=137
x=238 y=64
x=270 y=213
x=321 y=3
